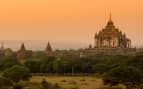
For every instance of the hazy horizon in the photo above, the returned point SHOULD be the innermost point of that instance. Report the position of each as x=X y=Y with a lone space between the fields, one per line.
x=39 y=45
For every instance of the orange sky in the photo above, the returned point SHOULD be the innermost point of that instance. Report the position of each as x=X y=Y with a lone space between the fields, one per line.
x=68 y=21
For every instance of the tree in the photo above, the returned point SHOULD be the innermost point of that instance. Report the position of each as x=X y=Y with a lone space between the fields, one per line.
x=137 y=62
x=33 y=65
x=7 y=62
x=123 y=74
x=17 y=73
x=57 y=65
x=100 y=68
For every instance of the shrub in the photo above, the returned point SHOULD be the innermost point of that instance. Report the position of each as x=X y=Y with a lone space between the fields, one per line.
x=125 y=75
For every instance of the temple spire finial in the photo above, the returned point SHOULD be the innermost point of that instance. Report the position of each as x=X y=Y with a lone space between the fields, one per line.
x=110 y=17
x=2 y=46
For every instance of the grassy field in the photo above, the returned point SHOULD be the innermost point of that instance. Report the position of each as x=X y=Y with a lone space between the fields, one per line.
x=68 y=82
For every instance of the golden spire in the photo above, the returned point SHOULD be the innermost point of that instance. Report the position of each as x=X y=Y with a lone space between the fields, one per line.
x=110 y=22
x=110 y=17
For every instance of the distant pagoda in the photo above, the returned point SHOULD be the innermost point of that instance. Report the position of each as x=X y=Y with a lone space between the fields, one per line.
x=21 y=54
x=49 y=50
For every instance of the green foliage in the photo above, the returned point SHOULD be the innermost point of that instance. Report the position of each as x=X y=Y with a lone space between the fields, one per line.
x=7 y=62
x=33 y=65
x=116 y=69
x=124 y=74
x=98 y=64
x=17 y=73
x=100 y=68
x=137 y=62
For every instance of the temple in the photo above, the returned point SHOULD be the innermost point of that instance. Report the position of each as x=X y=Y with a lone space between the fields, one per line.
x=48 y=50
x=110 y=41
x=111 y=37
x=21 y=54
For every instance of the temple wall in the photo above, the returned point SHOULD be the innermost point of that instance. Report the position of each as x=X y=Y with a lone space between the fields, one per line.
x=109 y=51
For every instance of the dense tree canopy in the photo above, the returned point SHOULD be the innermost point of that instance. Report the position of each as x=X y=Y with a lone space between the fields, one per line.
x=124 y=74
x=17 y=73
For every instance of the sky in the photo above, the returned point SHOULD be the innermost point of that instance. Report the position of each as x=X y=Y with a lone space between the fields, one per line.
x=68 y=23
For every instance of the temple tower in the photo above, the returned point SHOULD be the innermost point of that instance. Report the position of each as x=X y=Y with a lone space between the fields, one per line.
x=21 y=54
x=48 y=50
x=111 y=37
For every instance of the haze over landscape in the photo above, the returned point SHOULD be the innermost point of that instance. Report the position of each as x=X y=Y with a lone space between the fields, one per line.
x=66 y=23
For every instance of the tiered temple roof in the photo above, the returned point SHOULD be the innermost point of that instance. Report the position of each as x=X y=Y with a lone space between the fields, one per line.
x=110 y=37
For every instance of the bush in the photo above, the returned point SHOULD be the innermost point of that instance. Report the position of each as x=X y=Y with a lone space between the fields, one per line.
x=125 y=75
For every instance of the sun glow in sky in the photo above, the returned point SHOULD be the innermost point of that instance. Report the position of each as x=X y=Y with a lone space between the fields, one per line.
x=68 y=21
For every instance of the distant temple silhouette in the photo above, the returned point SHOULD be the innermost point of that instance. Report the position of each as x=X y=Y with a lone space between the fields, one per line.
x=110 y=41
x=21 y=54
x=49 y=50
